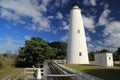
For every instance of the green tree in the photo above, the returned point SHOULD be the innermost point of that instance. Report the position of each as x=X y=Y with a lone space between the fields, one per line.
x=116 y=55
x=91 y=55
x=60 y=49
x=1 y=60
x=103 y=51
x=35 y=52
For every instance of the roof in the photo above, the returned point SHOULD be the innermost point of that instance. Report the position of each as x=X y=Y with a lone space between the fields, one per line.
x=75 y=6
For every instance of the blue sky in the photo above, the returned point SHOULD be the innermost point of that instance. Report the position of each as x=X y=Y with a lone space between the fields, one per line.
x=49 y=19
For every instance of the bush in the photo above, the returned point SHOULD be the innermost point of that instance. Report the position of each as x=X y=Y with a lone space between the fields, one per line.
x=1 y=64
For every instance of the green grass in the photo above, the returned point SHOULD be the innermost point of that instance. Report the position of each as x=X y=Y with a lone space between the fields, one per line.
x=105 y=73
x=6 y=71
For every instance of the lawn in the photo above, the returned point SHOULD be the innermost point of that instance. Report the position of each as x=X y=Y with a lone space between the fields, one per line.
x=105 y=73
x=6 y=71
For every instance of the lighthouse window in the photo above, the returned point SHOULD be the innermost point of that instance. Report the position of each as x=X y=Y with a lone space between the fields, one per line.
x=78 y=31
x=80 y=53
x=109 y=58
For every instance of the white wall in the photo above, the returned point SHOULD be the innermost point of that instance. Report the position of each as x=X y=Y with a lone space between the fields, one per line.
x=109 y=59
x=76 y=39
x=104 y=59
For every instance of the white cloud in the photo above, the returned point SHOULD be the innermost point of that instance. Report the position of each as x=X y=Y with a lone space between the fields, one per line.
x=65 y=26
x=88 y=38
x=64 y=38
x=22 y=22
x=50 y=17
x=93 y=2
x=27 y=37
x=59 y=15
x=54 y=31
x=20 y=7
x=46 y=2
x=96 y=46
x=8 y=26
x=106 y=6
x=64 y=1
x=26 y=8
x=89 y=2
x=33 y=27
x=103 y=20
x=112 y=34
x=60 y=3
x=8 y=15
x=111 y=40
x=88 y=22
x=57 y=3
x=9 y=44
x=42 y=8
x=90 y=47
x=112 y=28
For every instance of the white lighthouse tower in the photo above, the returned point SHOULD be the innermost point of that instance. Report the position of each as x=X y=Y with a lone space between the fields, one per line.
x=76 y=48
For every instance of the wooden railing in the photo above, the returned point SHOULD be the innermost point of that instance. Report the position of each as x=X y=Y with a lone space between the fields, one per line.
x=31 y=71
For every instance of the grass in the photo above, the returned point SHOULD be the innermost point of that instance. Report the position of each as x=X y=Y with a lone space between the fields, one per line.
x=105 y=73
x=6 y=71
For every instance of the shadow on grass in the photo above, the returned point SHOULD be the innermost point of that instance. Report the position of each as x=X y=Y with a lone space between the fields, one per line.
x=86 y=64
x=118 y=65
x=106 y=74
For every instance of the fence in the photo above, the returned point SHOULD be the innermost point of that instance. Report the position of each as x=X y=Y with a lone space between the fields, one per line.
x=32 y=72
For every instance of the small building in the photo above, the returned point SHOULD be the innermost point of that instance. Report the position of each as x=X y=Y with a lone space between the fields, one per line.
x=104 y=59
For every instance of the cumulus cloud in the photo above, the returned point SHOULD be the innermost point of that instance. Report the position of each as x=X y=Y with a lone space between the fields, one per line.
x=105 y=5
x=96 y=45
x=8 y=15
x=65 y=1
x=89 y=2
x=46 y=2
x=9 y=44
x=112 y=34
x=50 y=17
x=88 y=38
x=19 y=9
x=27 y=37
x=60 y=3
x=42 y=8
x=88 y=22
x=59 y=15
x=112 y=28
x=65 y=26
x=104 y=18
x=64 y=38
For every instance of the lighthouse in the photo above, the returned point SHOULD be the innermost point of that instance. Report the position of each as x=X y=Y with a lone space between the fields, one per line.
x=76 y=47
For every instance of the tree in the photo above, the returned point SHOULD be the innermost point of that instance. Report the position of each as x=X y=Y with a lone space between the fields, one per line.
x=60 y=49
x=35 y=52
x=103 y=51
x=116 y=55
x=1 y=60
x=91 y=56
